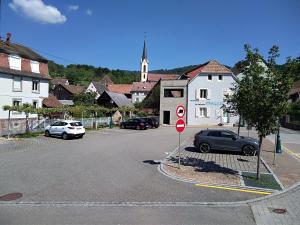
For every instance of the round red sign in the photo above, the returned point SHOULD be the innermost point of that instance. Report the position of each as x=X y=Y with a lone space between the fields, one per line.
x=180 y=125
x=180 y=111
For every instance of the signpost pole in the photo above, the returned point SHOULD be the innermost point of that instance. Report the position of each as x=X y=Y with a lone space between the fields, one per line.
x=179 y=154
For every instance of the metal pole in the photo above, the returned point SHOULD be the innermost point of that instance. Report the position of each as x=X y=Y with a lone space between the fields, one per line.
x=8 y=134
x=274 y=156
x=179 y=152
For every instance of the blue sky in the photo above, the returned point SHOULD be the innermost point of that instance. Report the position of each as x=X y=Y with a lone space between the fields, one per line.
x=179 y=32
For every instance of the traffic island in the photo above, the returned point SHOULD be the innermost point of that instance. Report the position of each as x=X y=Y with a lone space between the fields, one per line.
x=218 y=168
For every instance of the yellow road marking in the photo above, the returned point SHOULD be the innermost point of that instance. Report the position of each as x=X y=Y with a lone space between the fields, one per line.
x=291 y=152
x=234 y=189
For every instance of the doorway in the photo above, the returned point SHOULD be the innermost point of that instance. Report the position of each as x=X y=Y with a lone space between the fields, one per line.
x=166 y=117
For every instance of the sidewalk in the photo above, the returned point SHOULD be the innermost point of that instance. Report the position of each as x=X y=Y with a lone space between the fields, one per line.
x=288 y=203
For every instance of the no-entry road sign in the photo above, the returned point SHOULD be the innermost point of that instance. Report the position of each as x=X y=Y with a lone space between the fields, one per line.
x=180 y=125
x=180 y=111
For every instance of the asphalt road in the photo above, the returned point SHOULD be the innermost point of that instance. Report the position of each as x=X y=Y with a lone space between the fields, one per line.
x=108 y=166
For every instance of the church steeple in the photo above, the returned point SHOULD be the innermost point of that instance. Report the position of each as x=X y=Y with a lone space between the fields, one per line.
x=144 y=63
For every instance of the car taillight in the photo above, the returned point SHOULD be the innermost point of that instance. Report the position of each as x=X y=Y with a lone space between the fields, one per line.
x=71 y=128
x=142 y=124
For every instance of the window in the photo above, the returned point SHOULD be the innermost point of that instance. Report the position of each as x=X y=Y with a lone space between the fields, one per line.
x=35 y=68
x=17 y=83
x=17 y=102
x=220 y=77
x=144 y=68
x=173 y=93
x=203 y=93
x=202 y=112
x=209 y=77
x=226 y=134
x=214 y=134
x=35 y=104
x=35 y=85
x=137 y=100
x=14 y=62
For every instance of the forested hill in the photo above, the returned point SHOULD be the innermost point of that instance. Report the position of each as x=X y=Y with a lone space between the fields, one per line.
x=84 y=74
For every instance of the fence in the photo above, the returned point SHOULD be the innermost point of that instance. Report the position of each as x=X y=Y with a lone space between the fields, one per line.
x=18 y=126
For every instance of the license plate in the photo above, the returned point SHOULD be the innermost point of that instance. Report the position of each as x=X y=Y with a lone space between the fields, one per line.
x=78 y=128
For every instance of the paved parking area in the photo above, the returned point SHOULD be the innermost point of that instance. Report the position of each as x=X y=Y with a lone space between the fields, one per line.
x=216 y=167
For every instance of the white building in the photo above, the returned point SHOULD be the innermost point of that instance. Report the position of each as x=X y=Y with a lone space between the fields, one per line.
x=24 y=78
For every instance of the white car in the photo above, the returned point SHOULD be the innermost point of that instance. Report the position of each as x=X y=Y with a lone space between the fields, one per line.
x=65 y=129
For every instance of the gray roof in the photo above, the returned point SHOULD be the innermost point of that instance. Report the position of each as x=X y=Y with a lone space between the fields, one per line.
x=119 y=99
x=100 y=87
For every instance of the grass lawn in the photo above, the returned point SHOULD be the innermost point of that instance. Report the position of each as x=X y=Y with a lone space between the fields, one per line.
x=265 y=181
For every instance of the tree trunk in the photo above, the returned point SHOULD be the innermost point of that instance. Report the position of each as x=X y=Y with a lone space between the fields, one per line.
x=8 y=134
x=258 y=157
x=27 y=123
x=239 y=125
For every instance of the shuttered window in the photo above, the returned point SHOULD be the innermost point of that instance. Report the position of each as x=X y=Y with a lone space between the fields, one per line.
x=17 y=83
x=15 y=62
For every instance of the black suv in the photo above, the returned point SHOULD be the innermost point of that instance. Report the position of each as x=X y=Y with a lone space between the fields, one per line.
x=152 y=121
x=136 y=123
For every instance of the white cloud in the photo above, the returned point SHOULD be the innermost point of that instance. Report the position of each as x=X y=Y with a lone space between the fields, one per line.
x=89 y=12
x=73 y=7
x=37 y=10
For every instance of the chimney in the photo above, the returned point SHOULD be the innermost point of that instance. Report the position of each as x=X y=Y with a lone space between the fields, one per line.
x=8 y=36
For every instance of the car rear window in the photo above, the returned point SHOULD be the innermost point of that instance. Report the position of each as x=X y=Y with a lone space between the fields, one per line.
x=214 y=134
x=76 y=124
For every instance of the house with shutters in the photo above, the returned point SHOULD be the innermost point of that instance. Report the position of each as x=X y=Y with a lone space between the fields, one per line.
x=204 y=95
x=24 y=78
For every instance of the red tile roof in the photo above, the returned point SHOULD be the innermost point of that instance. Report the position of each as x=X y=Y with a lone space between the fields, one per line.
x=212 y=66
x=142 y=86
x=152 y=77
x=51 y=102
x=120 y=88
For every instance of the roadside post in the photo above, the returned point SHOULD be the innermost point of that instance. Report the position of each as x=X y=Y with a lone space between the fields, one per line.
x=180 y=126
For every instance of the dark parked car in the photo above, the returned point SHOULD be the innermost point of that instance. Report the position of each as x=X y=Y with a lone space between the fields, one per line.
x=218 y=139
x=152 y=122
x=137 y=123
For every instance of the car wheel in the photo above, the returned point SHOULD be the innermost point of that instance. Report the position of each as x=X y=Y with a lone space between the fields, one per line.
x=204 y=147
x=81 y=136
x=248 y=150
x=47 y=133
x=65 y=136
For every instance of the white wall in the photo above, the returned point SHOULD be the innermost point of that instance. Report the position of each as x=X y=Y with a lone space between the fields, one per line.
x=26 y=95
x=213 y=104
x=138 y=95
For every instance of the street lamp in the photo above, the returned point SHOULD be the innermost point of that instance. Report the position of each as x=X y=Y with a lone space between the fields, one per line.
x=278 y=141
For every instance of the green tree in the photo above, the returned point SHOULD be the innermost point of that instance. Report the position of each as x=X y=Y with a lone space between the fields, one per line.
x=261 y=95
x=87 y=98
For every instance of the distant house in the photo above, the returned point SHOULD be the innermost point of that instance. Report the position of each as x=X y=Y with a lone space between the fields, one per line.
x=96 y=87
x=66 y=93
x=202 y=91
x=51 y=102
x=124 y=89
x=112 y=99
x=140 y=90
x=294 y=93
x=106 y=80
x=57 y=81
x=24 y=77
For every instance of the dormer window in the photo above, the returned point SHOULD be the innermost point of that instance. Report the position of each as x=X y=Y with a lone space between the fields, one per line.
x=35 y=68
x=14 y=62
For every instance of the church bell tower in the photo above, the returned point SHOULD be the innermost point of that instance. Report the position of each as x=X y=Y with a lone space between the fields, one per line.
x=144 y=64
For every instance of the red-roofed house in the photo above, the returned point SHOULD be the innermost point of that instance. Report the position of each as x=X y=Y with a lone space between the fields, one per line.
x=203 y=96
x=121 y=89
x=140 y=90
